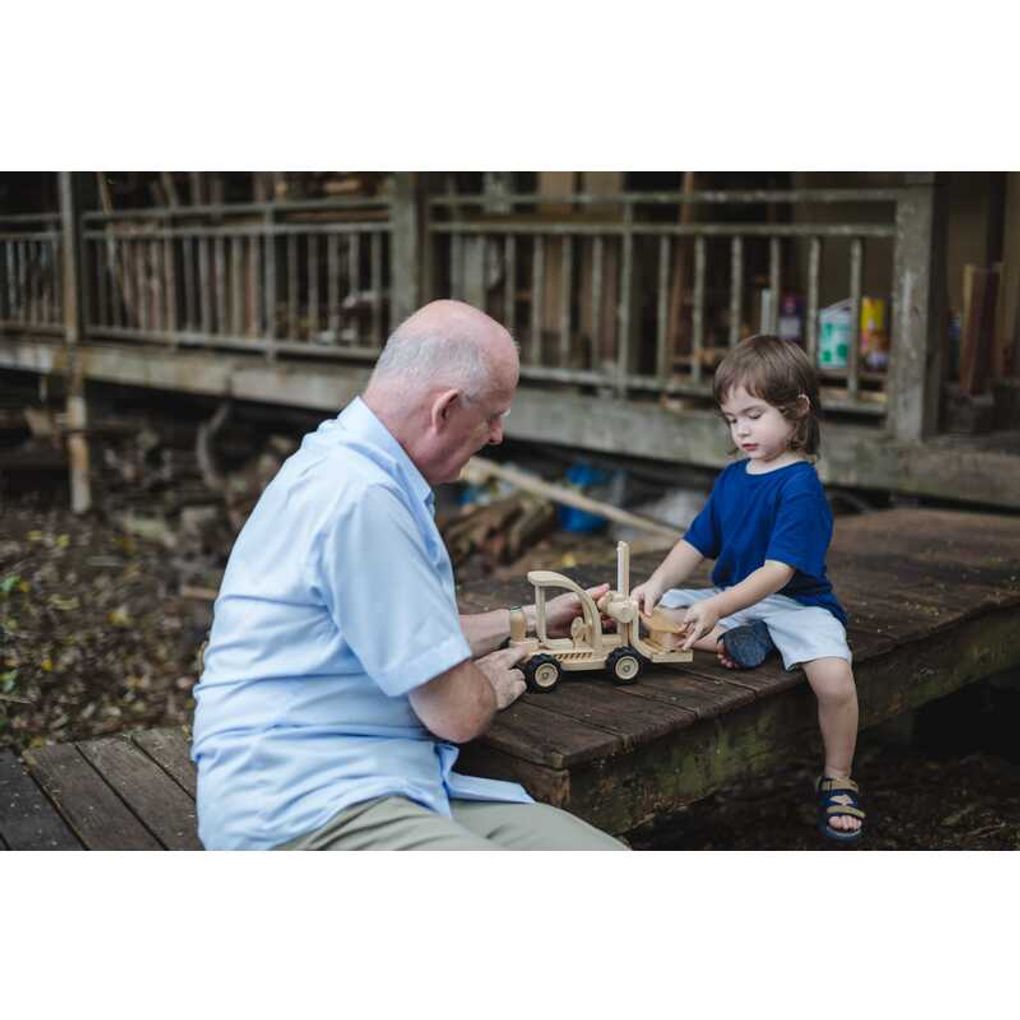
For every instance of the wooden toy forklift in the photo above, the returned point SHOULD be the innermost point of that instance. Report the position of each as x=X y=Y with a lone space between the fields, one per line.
x=625 y=653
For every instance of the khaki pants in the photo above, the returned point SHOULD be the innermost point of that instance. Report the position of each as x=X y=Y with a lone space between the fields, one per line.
x=396 y=823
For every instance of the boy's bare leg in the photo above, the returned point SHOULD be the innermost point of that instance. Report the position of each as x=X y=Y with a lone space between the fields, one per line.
x=832 y=680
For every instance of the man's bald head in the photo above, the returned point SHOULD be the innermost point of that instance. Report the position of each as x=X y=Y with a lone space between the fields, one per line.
x=443 y=385
x=446 y=344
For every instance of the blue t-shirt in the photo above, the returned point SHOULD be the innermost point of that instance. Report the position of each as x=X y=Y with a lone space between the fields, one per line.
x=779 y=515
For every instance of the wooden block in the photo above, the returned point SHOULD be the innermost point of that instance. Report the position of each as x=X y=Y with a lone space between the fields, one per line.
x=157 y=800
x=28 y=821
x=96 y=814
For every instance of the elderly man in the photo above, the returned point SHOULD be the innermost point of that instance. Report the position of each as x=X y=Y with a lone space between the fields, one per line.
x=339 y=676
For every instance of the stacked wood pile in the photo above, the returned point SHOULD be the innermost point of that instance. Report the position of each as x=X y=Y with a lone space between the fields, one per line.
x=499 y=532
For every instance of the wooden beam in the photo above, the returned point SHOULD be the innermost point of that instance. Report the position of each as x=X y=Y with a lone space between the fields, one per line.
x=852 y=455
x=478 y=470
x=977 y=335
x=77 y=408
x=405 y=286
x=918 y=327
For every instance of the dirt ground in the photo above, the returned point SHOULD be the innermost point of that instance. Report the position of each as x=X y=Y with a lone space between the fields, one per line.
x=96 y=638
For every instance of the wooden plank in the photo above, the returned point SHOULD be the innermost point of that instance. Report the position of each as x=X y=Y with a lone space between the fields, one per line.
x=531 y=733
x=170 y=284
x=354 y=282
x=914 y=378
x=375 y=267
x=662 y=350
x=768 y=679
x=313 y=286
x=28 y=821
x=236 y=286
x=138 y=247
x=292 y=286
x=156 y=287
x=814 y=277
x=510 y=283
x=164 y=808
x=534 y=349
x=95 y=813
x=169 y=748
x=205 y=283
x=220 y=270
x=945 y=532
x=333 y=285
x=593 y=699
x=736 y=289
x=188 y=248
x=704 y=696
x=102 y=283
x=254 y=290
x=551 y=786
x=978 y=335
x=566 y=271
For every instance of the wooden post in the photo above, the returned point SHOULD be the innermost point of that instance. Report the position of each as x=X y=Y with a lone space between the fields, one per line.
x=405 y=293
x=918 y=327
x=77 y=408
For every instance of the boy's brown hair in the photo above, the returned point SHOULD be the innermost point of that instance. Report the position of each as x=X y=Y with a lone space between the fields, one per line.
x=778 y=372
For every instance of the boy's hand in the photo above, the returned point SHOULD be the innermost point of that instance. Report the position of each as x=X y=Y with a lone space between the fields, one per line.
x=647 y=595
x=700 y=620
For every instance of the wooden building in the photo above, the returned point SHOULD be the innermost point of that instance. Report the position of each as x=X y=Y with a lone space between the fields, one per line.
x=623 y=290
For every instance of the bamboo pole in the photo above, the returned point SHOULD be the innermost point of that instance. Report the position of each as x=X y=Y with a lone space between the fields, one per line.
x=478 y=470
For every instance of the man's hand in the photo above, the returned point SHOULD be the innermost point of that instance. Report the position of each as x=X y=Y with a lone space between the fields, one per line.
x=647 y=595
x=507 y=683
x=701 y=618
x=560 y=611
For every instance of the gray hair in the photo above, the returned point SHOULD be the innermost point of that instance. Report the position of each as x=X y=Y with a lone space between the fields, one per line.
x=416 y=360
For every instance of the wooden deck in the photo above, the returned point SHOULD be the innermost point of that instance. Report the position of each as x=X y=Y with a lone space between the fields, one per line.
x=934 y=600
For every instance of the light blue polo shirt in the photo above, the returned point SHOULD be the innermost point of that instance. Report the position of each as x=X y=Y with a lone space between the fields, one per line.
x=338 y=600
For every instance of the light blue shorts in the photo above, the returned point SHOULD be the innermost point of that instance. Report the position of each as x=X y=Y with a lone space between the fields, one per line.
x=801 y=633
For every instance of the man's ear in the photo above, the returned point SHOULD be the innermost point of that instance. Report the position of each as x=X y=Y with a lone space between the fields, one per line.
x=442 y=407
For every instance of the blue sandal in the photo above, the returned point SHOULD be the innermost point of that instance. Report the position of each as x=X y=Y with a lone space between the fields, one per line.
x=838 y=797
x=748 y=645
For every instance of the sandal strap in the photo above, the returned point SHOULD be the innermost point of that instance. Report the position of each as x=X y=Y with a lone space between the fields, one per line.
x=827 y=784
x=842 y=809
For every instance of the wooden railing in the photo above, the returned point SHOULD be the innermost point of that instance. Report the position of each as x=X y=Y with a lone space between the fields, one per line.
x=623 y=295
x=614 y=292
x=30 y=273
x=301 y=278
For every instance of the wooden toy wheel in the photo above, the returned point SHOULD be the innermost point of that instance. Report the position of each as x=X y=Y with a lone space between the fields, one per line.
x=624 y=664
x=541 y=673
